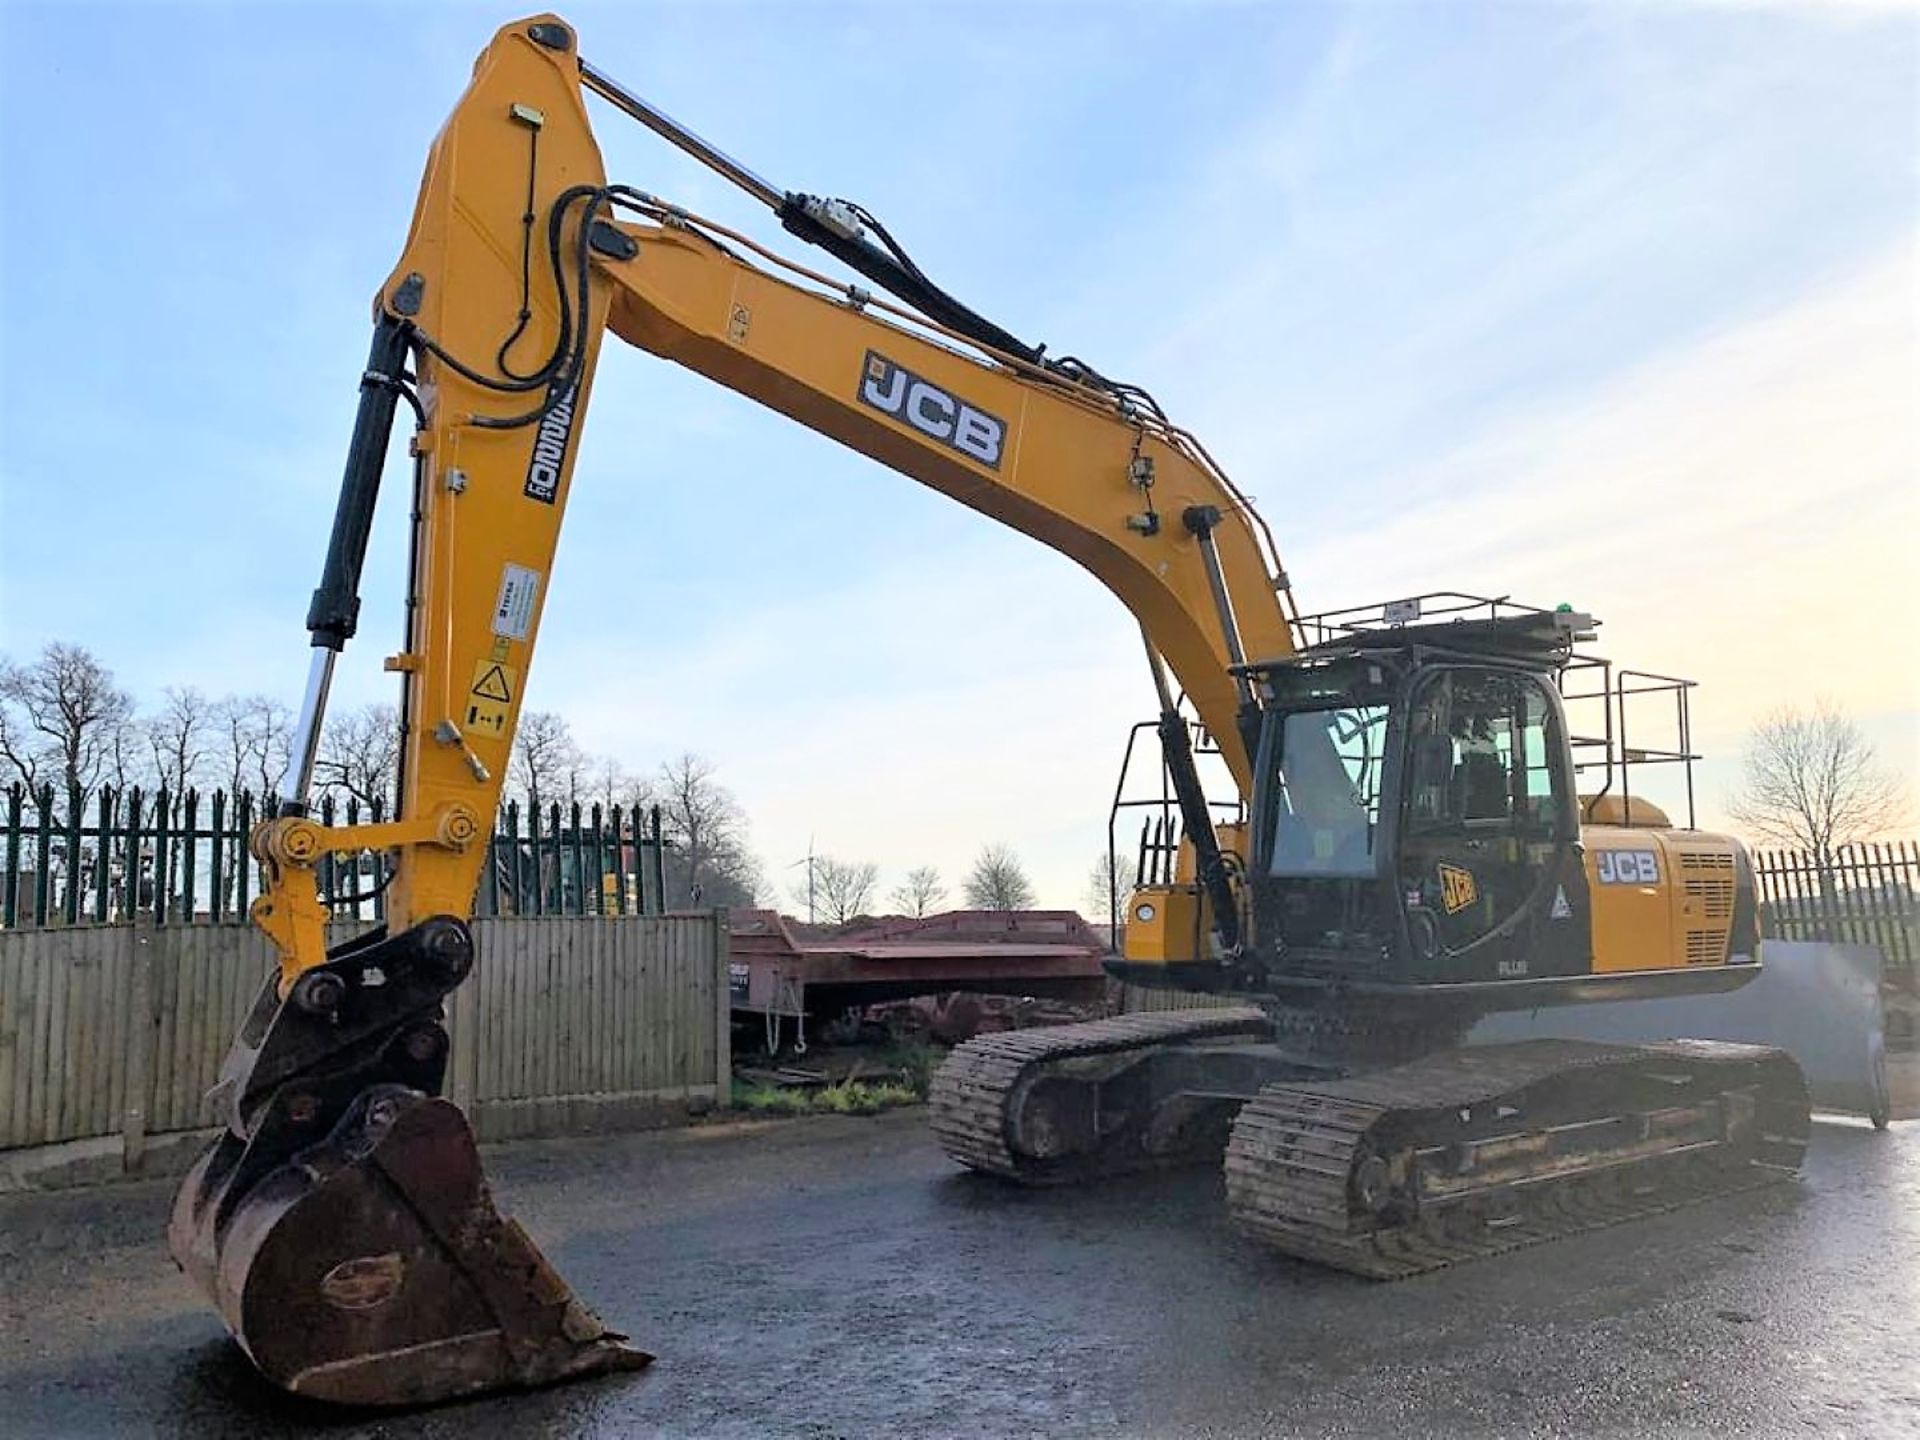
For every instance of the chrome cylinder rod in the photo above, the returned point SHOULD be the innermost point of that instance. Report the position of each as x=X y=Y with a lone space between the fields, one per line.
x=1160 y=686
x=665 y=126
x=306 y=732
x=1200 y=521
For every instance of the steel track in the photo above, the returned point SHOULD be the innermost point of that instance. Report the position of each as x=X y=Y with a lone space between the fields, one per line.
x=974 y=1092
x=1292 y=1158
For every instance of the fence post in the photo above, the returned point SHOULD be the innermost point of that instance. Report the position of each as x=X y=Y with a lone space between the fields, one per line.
x=216 y=867
x=659 y=865
x=379 y=861
x=140 y=1022
x=162 y=852
x=70 y=899
x=43 y=854
x=10 y=886
x=533 y=847
x=103 y=854
x=619 y=864
x=599 y=904
x=723 y=1008
x=130 y=872
x=187 y=870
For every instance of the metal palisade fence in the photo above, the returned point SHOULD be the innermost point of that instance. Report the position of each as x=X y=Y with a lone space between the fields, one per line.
x=182 y=858
x=1862 y=894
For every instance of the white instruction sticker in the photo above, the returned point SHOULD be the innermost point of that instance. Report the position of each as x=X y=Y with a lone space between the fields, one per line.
x=513 y=612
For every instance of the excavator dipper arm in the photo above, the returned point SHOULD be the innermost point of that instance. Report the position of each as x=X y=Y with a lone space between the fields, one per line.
x=341 y=1223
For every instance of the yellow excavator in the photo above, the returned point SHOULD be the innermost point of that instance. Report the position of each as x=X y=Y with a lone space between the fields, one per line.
x=1405 y=850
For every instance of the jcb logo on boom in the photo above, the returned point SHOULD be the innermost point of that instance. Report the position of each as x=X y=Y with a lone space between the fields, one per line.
x=894 y=390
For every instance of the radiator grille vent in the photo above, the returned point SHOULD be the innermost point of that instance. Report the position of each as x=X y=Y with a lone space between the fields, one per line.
x=1715 y=898
x=1706 y=860
x=1706 y=947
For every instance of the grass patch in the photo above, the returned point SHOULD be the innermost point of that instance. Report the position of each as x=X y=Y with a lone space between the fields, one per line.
x=913 y=1063
x=856 y=1097
x=848 y=1097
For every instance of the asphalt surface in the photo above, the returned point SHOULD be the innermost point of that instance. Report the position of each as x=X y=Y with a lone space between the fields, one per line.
x=837 y=1277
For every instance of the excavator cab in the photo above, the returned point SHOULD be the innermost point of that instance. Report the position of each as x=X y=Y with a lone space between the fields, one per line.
x=1416 y=832
x=1415 y=818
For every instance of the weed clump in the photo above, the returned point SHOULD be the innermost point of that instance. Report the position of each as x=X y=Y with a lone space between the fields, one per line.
x=846 y=1097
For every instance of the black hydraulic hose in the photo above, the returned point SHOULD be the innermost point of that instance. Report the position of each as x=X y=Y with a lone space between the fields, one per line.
x=906 y=284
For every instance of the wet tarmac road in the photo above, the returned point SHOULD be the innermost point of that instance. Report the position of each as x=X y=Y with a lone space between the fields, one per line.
x=837 y=1277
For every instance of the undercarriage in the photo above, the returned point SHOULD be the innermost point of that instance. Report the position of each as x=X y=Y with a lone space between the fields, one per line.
x=1363 y=1148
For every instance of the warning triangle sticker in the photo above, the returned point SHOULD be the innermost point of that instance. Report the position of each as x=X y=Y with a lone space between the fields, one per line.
x=493 y=685
x=1561 y=909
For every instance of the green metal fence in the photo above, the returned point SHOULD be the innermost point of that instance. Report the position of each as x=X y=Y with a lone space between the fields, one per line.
x=1864 y=894
x=182 y=858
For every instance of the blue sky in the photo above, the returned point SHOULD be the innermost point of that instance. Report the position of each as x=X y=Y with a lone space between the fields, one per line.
x=1610 y=303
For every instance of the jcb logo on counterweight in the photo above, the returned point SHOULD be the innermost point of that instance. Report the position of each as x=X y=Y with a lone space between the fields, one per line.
x=1626 y=867
x=895 y=390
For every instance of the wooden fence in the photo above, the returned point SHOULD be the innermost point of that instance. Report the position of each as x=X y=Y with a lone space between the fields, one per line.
x=568 y=1024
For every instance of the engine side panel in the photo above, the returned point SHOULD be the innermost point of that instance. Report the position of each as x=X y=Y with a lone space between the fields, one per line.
x=1663 y=899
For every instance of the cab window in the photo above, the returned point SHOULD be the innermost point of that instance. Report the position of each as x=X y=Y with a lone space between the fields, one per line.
x=1480 y=748
x=1327 y=805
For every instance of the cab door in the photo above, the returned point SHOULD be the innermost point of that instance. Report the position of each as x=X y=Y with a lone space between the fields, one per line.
x=1488 y=863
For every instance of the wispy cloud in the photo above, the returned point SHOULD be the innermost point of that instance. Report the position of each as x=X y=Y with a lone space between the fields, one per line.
x=1742 y=509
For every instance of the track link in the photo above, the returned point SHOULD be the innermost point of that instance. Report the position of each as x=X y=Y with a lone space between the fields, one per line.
x=1303 y=1155
x=974 y=1091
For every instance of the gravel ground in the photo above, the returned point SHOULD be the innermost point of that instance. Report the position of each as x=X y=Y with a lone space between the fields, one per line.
x=837 y=1277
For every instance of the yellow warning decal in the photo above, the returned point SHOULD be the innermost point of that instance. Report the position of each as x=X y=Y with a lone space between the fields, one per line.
x=1457 y=890
x=490 y=700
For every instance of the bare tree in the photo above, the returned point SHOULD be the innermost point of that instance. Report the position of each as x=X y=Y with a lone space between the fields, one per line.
x=919 y=892
x=129 y=760
x=60 y=716
x=546 y=761
x=997 y=882
x=359 y=757
x=605 y=782
x=708 y=862
x=179 y=736
x=840 y=888
x=17 y=751
x=255 y=738
x=1813 y=782
x=1109 y=885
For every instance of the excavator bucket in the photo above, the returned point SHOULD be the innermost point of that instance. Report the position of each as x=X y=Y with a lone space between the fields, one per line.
x=342 y=1225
